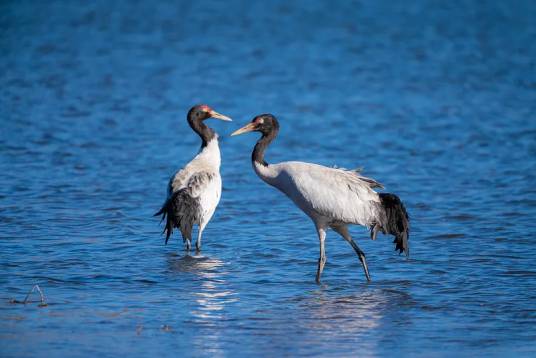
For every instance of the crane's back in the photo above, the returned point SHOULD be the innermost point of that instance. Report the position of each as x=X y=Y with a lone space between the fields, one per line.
x=323 y=193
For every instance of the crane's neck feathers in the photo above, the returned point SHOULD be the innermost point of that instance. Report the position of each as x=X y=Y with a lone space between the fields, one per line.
x=206 y=133
x=258 y=152
x=209 y=155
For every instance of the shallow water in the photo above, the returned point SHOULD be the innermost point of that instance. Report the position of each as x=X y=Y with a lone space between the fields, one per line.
x=437 y=101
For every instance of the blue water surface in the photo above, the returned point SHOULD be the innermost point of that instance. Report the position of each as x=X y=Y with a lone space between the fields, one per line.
x=435 y=99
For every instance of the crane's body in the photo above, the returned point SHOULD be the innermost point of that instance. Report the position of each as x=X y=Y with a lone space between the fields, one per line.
x=194 y=192
x=332 y=197
x=326 y=195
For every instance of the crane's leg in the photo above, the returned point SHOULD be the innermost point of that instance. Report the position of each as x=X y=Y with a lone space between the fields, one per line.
x=187 y=239
x=374 y=231
x=188 y=243
x=343 y=231
x=322 y=259
x=199 y=234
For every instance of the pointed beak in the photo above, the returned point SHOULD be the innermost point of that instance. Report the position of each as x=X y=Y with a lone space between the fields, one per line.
x=250 y=127
x=214 y=114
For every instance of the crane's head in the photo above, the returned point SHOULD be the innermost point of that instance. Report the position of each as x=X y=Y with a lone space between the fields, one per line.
x=201 y=112
x=264 y=123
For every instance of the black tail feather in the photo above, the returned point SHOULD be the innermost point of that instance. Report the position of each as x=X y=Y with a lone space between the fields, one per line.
x=181 y=211
x=396 y=221
x=162 y=212
x=167 y=212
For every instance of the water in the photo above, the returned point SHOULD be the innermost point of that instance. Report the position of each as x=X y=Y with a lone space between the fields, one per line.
x=435 y=100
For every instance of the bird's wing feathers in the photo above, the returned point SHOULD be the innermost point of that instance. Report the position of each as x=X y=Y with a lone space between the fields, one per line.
x=335 y=193
x=198 y=182
x=187 y=202
x=357 y=174
x=184 y=206
x=193 y=175
x=178 y=180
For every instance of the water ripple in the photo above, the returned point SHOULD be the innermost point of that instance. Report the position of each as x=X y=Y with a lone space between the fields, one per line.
x=433 y=101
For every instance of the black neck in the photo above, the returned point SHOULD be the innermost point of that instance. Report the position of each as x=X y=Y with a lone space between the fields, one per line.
x=260 y=147
x=206 y=133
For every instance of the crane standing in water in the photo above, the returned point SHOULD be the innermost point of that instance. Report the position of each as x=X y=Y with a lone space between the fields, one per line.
x=332 y=198
x=194 y=191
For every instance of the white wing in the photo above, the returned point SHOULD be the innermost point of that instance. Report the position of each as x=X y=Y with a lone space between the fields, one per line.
x=199 y=183
x=336 y=194
x=178 y=180
x=204 y=190
x=182 y=177
x=208 y=160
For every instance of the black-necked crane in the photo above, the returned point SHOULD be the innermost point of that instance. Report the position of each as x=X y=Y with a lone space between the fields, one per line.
x=331 y=197
x=193 y=193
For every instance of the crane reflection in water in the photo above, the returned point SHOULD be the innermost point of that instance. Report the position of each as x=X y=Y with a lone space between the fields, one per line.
x=213 y=293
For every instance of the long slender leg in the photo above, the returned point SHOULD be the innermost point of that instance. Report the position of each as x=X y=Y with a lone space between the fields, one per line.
x=199 y=235
x=343 y=231
x=374 y=231
x=322 y=259
x=188 y=244
x=187 y=240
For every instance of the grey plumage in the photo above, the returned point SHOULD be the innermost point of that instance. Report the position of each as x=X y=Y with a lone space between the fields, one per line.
x=332 y=197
